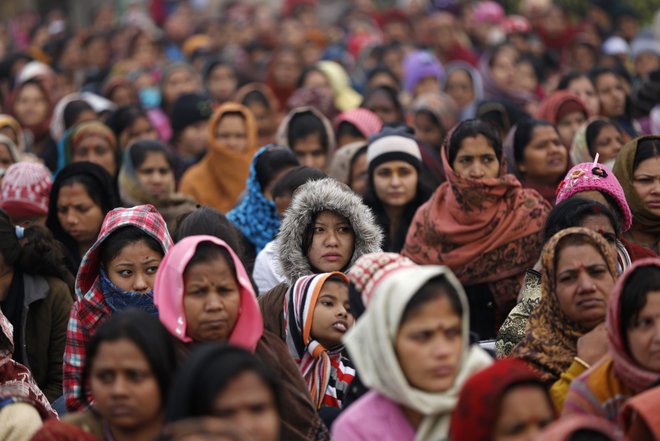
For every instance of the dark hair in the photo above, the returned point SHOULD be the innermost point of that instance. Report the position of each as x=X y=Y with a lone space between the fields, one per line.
x=125 y=117
x=638 y=285
x=358 y=153
x=434 y=288
x=498 y=48
x=148 y=334
x=599 y=71
x=209 y=221
x=646 y=148
x=140 y=149
x=572 y=212
x=390 y=93
x=524 y=134
x=593 y=130
x=91 y=187
x=271 y=162
x=295 y=178
x=348 y=128
x=123 y=236
x=306 y=71
x=578 y=240
x=304 y=124
x=337 y=279
x=38 y=253
x=588 y=435
x=73 y=110
x=568 y=78
x=381 y=69
x=209 y=369
x=208 y=252
x=469 y=129
x=536 y=63
x=256 y=96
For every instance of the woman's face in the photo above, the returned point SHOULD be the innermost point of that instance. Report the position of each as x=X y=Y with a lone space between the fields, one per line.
x=611 y=94
x=96 y=149
x=526 y=78
x=381 y=104
x=646 y=180
x=318 y=81
x=583 y=284
x=286 y=69
x=459 y=86
x=524 y=411
x=31 y=106
x=249 y=403
x=134 y=268
x=5 y=157
x=332 y=315
x=428 y=131
x=78 y=214
x=600 y=223
x=332 y=242
x=140 y=129
x=125 y=388
x=156 y=175
x=584 y=89
x=395 y=183
x=211 y=300
x=193 y=140
x=476 y=159
x=180 y=81
x=545 y=158
x=608 y=143
x=360 y=175
x=232 y=132
x=264 y=118
x=568 y=127
x=503 y=68
x=429 y=344
x=644 y=334
x=222 y=82
x=309 y=151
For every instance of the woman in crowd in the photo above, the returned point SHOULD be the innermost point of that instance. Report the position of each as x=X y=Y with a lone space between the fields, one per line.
x=256 y=214
x=405 y=400
x=600 y=136
x=24 y=404
x=262 y=103
x=356 y=125
x=506 y=400
x=91 y=141
x=129 y=371
x=284 y=69
x=537 y=157
x=130 y=124
x=82 y=194
x=349 y=166
x=630 y=366
x=117 y=272
x=566 y=112
x=474 y=219
x=35 y=296
x=565 y=334
x=220 y=80
x=147 y=177
x=345 y=97
x=32 y=107
x=384 y=102
x=326 y=228
x=231 y=385
x=395 y=188
x=317 y=315
x=579 y=84
x=464 y=85
x=636 y=169
x=176 y=79
x=498 y=70
x=611 y=91
x=220 y=177
x=204 y=294
x=309 y=134
x=24 y=193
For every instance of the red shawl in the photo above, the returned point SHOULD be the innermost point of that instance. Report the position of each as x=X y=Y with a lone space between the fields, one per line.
x=486 y=231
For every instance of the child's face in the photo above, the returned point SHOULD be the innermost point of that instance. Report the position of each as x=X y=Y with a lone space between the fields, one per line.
x=332 y=315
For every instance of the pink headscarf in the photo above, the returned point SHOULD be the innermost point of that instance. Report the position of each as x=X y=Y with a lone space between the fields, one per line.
x=631 y=373
x=169 y=292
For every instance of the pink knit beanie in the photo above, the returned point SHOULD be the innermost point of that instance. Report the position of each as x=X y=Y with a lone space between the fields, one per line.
x=595 y=177
x=25 y=190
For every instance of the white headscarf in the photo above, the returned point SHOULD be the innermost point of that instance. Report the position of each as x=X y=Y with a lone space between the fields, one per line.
x=371 y=348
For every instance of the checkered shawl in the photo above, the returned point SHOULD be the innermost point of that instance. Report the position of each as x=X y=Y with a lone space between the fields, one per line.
x=90 y=309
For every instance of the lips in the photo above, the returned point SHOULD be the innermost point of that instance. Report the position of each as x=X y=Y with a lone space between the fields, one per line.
x=212 y=325
x=654 y=204
x=442 y=371
x=340 y=326
x=591 y=302
x=332 y=257
x=121 y=411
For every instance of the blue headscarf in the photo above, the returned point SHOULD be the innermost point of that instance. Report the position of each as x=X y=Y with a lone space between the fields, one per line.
x=256 y=215
x=118 y=299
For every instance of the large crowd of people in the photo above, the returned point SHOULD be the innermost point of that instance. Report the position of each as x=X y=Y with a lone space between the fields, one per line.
x=300 y=220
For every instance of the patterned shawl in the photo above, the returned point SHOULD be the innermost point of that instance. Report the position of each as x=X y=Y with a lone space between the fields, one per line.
x=256 y=215
x=627 y=369
x=643 y=218
x=486 y=231
x=551 y=340
x=326 y=372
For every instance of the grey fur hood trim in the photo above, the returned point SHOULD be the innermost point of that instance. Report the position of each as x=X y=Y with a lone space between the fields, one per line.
x=310 y=199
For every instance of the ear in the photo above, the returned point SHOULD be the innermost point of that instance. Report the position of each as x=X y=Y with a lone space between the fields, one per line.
x=522 y=168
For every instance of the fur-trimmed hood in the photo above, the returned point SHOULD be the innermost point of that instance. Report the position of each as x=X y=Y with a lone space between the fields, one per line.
x=310 y=199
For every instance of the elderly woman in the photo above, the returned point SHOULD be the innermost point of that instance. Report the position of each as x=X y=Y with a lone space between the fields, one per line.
x=91 y=141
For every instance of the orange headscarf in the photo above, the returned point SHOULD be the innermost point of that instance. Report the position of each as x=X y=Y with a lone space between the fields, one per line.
x=220 y=177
